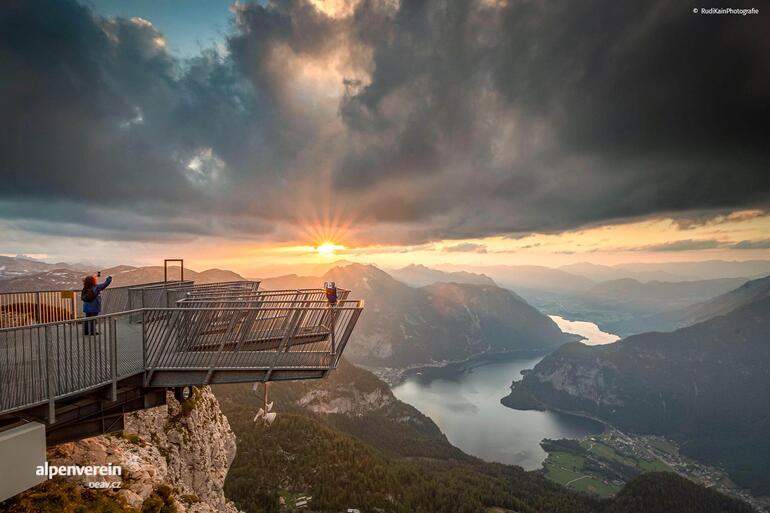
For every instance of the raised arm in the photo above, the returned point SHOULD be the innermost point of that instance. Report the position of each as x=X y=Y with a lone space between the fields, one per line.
x=104 y=284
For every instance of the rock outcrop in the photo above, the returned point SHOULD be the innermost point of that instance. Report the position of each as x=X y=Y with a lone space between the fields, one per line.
x=185 y=448
x=346 y=400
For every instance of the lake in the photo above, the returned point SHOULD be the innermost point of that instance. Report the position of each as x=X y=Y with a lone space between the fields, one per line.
x=591 y=333
x=467 y=409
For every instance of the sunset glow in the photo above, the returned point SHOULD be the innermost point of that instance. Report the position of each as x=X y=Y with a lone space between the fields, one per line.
x=328 y=249
x=441 y=167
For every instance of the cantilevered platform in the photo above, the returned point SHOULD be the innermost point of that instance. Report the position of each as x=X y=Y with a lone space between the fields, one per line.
x=164 y=335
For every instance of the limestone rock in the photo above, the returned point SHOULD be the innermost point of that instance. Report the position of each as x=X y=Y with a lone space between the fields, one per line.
x=188 y=448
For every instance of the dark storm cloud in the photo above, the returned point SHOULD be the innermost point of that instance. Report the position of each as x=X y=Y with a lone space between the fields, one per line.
x=97 y=115
x=458 y=119
x=614 y=110
x=142 y=222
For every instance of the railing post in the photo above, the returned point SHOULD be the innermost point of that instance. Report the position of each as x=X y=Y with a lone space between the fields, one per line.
x=49 y=367
x=331 y=329
x=114 y=358
x=144 y=339
x=38 y=309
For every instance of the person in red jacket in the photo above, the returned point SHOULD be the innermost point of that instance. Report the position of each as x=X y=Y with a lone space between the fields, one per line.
x=92 y=302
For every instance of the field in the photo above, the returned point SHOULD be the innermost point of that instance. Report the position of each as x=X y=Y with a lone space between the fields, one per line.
x=592 y=466
x=665 y=446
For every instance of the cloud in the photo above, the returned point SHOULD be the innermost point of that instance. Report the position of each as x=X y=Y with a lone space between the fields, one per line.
x=466 y=247
x=411 y=121
x=698 y=219
x=752 y=244
x=683 y=245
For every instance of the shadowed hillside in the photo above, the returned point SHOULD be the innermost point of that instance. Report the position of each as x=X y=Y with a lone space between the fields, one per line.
x=404 y=326
x=349 y=443
x=707 y=386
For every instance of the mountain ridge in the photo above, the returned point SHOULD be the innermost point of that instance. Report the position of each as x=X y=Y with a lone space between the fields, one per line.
x=404 y=326
x=417 y=275
x=704 y=385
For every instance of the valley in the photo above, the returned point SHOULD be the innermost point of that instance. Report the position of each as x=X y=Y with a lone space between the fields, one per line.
x=602 y=464
x=375 y=452
x=434 y=406
x=702 y=387
x=467 y=409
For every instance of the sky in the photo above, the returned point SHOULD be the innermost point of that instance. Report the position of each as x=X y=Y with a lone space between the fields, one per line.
x=243 y=134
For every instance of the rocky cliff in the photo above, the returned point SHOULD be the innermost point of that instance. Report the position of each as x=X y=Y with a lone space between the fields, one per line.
x=176 y=453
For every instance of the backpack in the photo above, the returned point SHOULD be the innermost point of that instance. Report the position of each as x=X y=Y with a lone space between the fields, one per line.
x=88 y=295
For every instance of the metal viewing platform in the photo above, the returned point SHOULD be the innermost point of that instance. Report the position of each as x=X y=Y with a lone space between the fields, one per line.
x=153 y=337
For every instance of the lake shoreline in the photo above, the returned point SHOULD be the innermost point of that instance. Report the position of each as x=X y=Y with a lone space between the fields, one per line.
x=453 y=369
x=464 y=401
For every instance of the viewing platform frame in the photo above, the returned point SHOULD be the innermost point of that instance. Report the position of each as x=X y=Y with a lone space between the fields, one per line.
x=156 y=336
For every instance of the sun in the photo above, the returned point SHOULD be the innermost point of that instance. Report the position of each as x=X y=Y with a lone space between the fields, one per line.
x=328 y=248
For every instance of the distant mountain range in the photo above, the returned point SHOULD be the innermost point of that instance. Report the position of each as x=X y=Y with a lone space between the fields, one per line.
x=419 y=276
x=128 y=275
x=618 y=303
x=301 y=269
x=599 y=273
x=707 y=385
x=627 y=306
x=673 y=318
x=520 y=277
x=581 y=277
x=13 y=267
x=405 y=326
x=672 y=271
x=744 y=295
x=34 y=276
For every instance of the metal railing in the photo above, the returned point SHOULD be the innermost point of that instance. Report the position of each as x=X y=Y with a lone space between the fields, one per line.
x=307 y=335
x=38 y=307
x=255 y=298
x=229 y=289
x=44 y=362
x=205 y=338
x=24 y=308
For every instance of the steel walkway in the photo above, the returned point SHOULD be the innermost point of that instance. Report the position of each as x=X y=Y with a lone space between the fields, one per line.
x=170 y=335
